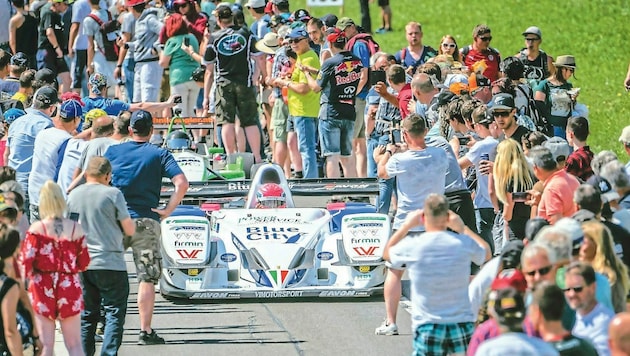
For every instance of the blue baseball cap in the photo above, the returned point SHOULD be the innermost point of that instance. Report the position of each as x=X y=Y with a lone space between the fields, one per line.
x=141 y=121
x=12 y=114
x=298 y=32
x=70 y=109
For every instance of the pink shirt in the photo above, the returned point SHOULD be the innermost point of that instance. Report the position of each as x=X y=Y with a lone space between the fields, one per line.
x=557 y=196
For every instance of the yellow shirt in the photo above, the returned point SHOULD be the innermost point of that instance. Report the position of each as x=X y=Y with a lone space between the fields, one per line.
x=20 y=97
x=304 y=104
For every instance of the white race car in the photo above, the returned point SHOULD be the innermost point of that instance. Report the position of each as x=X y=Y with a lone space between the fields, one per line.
x=288 y=251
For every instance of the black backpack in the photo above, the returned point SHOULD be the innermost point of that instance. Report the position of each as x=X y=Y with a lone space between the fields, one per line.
x=109 y=32
x=532 y=112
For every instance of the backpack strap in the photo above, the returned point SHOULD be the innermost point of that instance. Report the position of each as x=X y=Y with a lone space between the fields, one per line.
x=466 y=50
x=97 y=19
x=403 y=54
x=545 y=65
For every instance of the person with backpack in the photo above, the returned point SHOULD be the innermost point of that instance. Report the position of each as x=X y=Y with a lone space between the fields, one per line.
x=415 y=54
x=514 y=69
x=554 y=98
x=538 y=64
x=362 y=45
x=102 y=32
x=480 y=50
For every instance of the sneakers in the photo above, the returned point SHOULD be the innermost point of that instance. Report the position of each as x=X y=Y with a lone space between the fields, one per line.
x=386 y=329
x=150 y=339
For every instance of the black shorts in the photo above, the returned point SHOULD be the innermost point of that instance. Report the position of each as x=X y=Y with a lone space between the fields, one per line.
x=382 y=3
x=235 y=98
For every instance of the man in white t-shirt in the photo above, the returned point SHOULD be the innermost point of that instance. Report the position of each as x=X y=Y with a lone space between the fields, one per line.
x=46 y=151
x=484 y=150
x=438 y=263
x=420 y=170
x=97 y=62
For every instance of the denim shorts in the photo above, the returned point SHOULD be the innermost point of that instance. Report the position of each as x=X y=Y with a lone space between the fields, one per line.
x=335 y=137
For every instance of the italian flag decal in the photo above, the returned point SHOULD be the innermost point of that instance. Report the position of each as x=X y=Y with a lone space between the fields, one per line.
x=279 y=277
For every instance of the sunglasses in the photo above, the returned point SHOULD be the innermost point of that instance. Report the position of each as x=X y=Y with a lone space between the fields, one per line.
x=572 y=70
x=296 y=40
x=179 y=6
x=449 y=45
x=542 y=272
x=531 y=39
x=501 y=113
x=486 y=39
x=575 y=289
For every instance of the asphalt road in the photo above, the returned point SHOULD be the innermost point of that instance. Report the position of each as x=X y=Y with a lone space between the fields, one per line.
x=274 y=327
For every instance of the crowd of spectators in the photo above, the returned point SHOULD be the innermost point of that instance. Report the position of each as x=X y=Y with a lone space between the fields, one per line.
x=80 y=83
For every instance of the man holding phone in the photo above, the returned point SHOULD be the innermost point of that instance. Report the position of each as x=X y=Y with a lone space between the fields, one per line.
x=420 y=170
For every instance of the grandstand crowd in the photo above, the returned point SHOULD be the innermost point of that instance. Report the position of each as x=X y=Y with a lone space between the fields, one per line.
x=514 y=233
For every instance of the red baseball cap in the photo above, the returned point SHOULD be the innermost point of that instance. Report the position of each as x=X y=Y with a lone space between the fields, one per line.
x=337 y=36
x=134 y=2
x=513 y=278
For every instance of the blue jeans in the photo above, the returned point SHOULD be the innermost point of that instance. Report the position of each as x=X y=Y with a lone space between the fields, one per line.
x=111 y=288
x=373 y=141
x=129 y=65
x=385 y=186
x=306 y=129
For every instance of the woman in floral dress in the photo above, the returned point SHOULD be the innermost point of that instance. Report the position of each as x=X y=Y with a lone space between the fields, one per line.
x=54 y=252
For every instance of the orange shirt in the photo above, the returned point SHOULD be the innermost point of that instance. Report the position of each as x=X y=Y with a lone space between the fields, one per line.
x=557 y=196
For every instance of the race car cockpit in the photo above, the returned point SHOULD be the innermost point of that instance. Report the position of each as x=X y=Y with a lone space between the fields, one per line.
x=269 y=189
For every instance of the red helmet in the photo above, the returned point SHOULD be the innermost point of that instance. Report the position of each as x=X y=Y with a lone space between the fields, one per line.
x=270 y=195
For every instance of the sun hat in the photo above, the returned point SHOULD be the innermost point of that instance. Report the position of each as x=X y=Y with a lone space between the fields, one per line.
x=565 y=61
x=269 y=43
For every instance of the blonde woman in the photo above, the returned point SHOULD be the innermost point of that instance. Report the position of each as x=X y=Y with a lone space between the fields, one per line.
x=598 y=250
x=512 y=178
x=53 y=253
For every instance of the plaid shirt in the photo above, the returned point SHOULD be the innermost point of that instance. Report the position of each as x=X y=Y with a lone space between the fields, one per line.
x=579 y=163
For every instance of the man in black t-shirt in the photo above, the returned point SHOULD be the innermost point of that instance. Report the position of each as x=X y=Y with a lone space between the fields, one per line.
x=340 y=79
x=229 y=57
x=503 y=111
x=53 y=43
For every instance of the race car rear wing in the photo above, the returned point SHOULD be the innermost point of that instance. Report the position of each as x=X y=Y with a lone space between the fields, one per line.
x=299 y=187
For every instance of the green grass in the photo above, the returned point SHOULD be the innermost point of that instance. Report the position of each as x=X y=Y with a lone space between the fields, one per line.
x=593 y=31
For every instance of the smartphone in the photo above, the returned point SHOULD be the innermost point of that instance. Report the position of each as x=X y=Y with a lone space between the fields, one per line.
x=395 y=137
x=377 y=76
x=178 y=99
x=484 y=157
x=463 y=141
x=74 y=216
x=187 y=41
x=520 y=196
